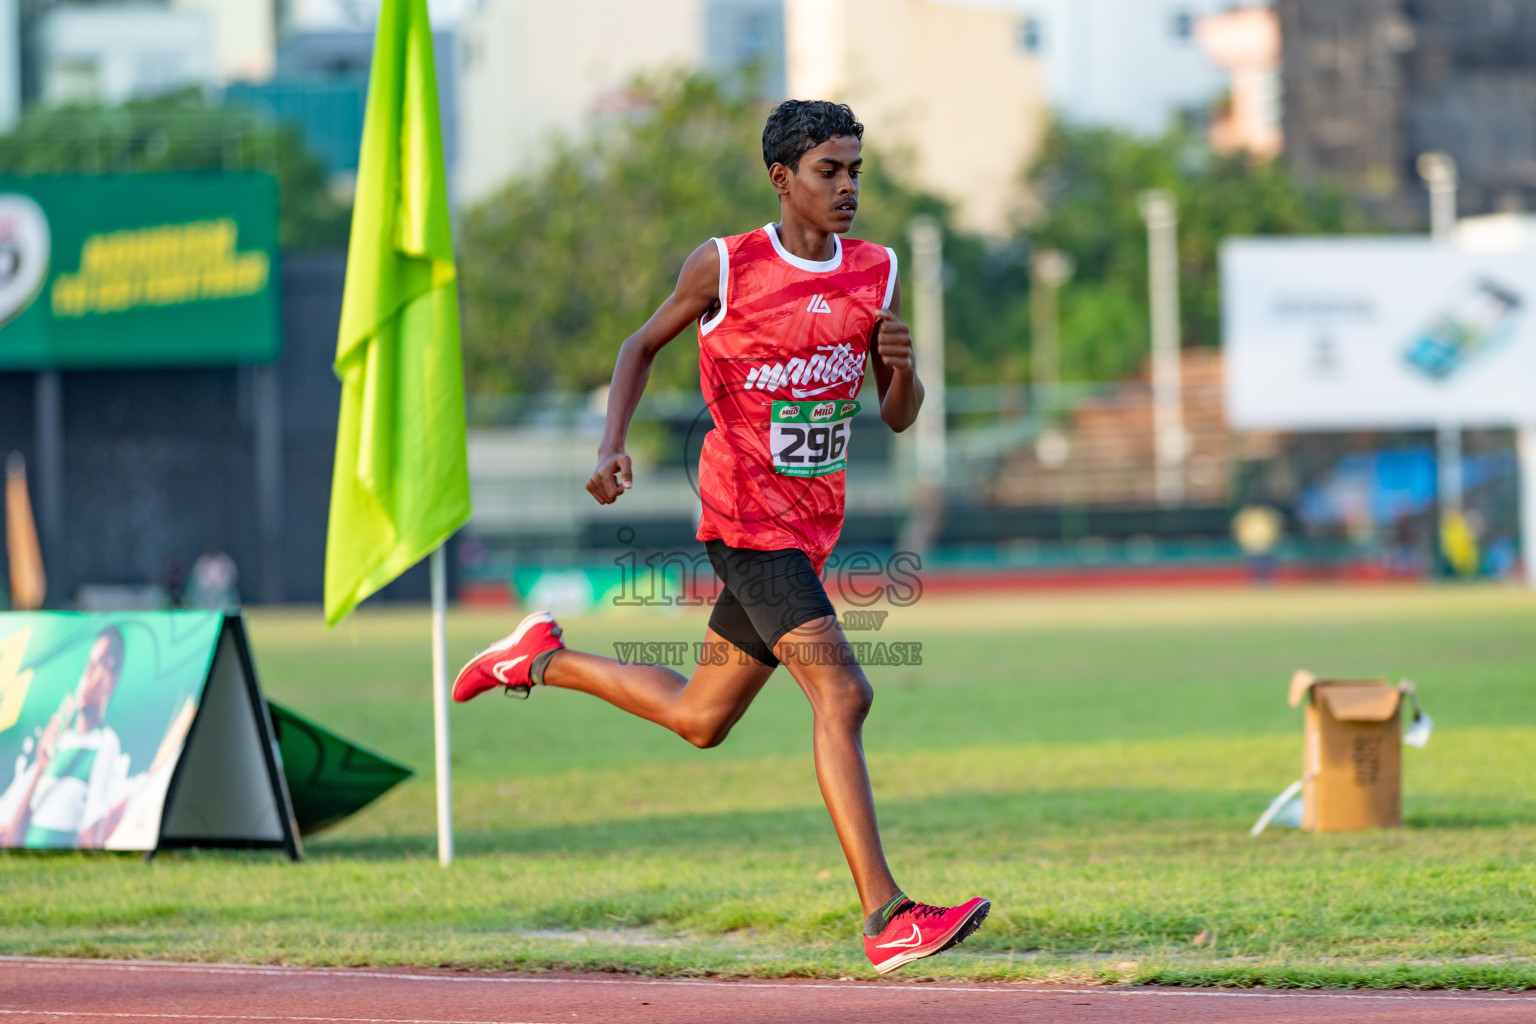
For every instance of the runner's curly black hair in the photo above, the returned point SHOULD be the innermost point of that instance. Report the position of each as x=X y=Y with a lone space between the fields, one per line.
x=798 y=126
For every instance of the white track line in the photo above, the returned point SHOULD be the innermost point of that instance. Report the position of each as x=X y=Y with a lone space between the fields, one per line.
x=256 y=1016
x=916 y=989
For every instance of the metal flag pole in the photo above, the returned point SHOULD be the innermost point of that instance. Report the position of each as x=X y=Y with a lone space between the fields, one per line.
x=440 y=706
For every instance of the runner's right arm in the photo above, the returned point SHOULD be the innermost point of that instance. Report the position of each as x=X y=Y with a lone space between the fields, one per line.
x=696 y=295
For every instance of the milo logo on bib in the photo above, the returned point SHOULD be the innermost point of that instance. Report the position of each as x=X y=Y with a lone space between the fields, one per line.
x=810 y=438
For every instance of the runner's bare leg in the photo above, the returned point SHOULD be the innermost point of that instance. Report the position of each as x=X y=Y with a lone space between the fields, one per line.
x=840 y=698
x=701 y=708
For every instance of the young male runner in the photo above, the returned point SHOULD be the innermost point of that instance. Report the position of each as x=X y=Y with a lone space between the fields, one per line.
x=788 y=316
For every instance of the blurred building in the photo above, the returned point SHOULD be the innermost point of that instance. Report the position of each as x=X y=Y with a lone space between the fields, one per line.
x=1372 y=84
x=110 y=53
x=244 y=36
x=320 y=86
x=746 y=36
x=1129 y=64
x=923 y=74
x=1245 y=41
x=951 y=89
x=531 y=71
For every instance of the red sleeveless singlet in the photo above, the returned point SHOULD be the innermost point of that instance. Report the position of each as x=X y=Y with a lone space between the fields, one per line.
x=780 y=364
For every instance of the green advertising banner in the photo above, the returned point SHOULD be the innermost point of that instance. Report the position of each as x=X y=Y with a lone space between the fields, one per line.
x=138 y=270
x=146 y=730
x=94 y=711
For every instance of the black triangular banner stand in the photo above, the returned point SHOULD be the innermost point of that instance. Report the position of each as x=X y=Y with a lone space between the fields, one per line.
x=228 y=789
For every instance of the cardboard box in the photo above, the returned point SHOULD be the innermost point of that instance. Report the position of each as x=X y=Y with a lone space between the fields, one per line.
x=1352 y=765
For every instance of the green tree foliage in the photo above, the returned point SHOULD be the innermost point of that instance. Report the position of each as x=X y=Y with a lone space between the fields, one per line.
x=559 y=268
x=181 y=132
x=1087 y=183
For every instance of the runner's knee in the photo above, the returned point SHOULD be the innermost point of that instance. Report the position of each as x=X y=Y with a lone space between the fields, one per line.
x=844 y=697
x=703 y=729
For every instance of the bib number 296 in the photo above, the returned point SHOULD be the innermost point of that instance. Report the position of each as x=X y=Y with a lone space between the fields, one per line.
x=810 y=438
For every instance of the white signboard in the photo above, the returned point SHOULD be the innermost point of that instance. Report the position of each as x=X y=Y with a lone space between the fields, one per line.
x=1369 y=333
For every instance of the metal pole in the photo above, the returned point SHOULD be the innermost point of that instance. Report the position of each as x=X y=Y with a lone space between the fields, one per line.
x=1448 y=464
x=1439 y=173
x=1048 y=271
x=1169 y=442
x=439 y=575
x=928 y=326
x=48 y=426
x=1525 y=440
x=269 y=480
x=922 y=449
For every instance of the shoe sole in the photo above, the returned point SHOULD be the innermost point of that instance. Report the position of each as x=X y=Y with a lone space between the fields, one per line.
x=967 y=928
x=506 y=643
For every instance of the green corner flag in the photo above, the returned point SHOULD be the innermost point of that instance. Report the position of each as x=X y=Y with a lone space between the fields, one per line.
x=401 y=482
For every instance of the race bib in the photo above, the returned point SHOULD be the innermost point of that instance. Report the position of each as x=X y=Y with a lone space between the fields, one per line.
x=811 y=438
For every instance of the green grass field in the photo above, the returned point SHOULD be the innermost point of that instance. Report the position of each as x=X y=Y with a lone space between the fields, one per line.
x=1091 y=762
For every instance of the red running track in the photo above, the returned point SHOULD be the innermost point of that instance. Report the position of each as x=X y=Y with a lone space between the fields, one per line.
x=116 y=992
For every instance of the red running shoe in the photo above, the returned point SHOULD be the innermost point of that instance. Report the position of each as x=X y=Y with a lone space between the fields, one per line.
x=507 y=661
x=918 y=930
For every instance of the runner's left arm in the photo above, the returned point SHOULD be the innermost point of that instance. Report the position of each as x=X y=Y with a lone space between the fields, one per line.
x=901 y=393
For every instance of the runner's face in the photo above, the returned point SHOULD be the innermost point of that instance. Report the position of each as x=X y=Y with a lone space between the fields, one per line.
x=824 y=191
x=98 y=681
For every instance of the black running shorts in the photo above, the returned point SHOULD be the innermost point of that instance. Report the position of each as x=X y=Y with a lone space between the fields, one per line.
x=764 y=594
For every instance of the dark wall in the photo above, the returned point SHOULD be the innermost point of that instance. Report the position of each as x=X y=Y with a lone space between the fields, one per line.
x=311 y=396
x=157 y=465
x=160 y=465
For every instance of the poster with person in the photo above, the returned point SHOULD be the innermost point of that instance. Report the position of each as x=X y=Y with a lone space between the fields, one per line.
x=94 y=712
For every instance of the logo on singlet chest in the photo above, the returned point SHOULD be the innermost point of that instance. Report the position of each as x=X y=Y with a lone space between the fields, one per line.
x=831 y=366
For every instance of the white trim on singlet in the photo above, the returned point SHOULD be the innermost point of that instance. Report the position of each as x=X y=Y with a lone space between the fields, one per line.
x=890 y=282
x=705 y=326
x=811 y=266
